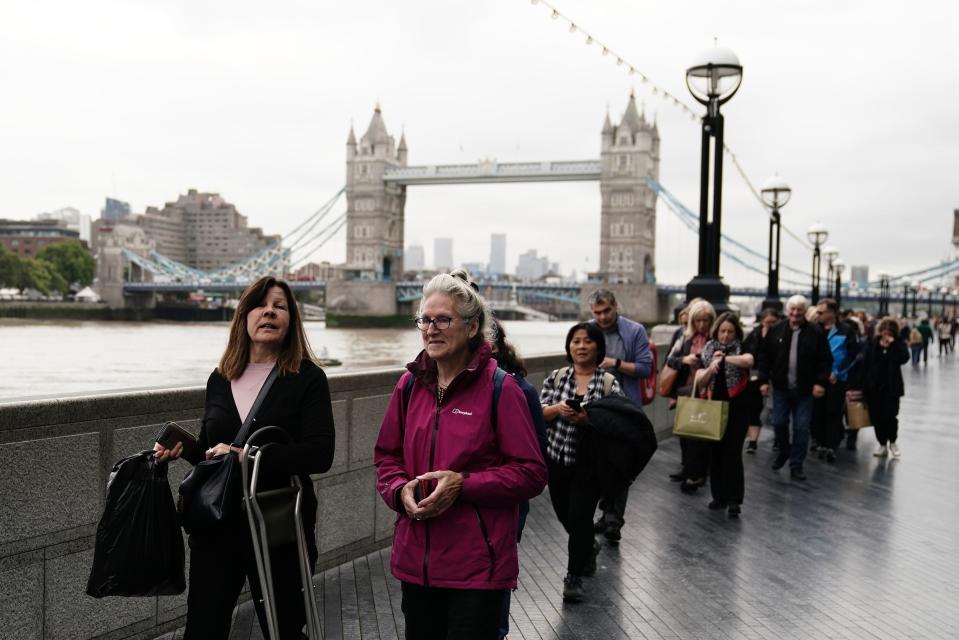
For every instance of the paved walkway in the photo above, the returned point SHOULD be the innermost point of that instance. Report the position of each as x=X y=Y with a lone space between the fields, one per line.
x=866 y=549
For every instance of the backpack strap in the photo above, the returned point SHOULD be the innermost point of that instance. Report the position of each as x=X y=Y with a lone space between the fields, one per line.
x=558 y=375
x=407 y=392
x=498 y=376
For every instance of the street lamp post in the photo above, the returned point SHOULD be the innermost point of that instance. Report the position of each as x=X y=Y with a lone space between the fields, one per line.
x=883 y=295
x=838 y=265
x=714 y=77
x=817 y=235
x=775 y=194
x=905 y=300
x=830 y=254
x=915 y=296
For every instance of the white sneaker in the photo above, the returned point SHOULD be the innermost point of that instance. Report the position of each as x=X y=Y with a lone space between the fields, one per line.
x=881 y=452
x=894 y=450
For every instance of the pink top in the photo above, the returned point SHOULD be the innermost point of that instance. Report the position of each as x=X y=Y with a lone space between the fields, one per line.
x=247 y=386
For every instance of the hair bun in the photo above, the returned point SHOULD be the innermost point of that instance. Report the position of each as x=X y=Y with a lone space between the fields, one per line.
x=464 y=275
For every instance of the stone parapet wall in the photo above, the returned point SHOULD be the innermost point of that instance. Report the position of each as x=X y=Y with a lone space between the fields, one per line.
x=55 y=457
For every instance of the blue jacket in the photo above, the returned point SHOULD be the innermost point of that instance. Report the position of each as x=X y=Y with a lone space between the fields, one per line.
x=636 y=344
x=844 y=347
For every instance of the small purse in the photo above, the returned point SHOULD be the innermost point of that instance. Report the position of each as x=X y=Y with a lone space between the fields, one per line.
x=210 y=493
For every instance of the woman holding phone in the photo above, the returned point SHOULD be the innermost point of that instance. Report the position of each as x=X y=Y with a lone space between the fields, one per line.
x=266 y=333
x=573 y=494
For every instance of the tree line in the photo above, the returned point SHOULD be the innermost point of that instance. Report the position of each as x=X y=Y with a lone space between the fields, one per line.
x=55 y=269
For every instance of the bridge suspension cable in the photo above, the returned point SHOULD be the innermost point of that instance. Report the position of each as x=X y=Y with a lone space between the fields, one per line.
x=318 y=241
x=691 y=220
x=692 y=224
x=929 y=273
x=658 y=91
x=313 y=220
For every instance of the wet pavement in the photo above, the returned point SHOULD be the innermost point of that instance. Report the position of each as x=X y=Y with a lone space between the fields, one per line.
x=868 y=548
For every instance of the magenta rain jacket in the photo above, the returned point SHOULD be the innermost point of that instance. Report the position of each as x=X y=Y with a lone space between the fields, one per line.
x=472 y=545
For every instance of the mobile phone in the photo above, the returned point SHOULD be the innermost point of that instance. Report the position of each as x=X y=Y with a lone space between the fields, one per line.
x=422 y=489
x=171 y=433
x=573 y=404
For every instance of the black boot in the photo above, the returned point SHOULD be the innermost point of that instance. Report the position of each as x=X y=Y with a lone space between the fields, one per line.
x=573 y=590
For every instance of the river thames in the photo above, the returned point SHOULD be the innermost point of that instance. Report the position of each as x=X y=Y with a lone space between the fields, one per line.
x=43 y=359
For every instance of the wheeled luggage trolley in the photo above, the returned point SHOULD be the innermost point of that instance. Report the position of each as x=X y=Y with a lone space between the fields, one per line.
x=275 y=518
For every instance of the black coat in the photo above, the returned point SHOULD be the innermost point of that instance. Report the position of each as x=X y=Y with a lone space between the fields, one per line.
x=813 y=364
x=880 y=372
x=618 y=445
x=299 y=404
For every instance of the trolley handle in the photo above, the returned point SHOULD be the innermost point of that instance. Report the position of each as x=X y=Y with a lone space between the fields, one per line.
x=250 y=455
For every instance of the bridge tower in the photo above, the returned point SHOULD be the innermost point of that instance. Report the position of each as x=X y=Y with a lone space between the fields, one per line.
x=374 y=208
x=627 y=251
x=630 y=152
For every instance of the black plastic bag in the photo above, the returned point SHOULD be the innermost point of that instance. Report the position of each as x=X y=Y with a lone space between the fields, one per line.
x=139 y=548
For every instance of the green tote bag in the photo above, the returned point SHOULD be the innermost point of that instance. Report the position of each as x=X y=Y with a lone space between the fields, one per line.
x=700 y=419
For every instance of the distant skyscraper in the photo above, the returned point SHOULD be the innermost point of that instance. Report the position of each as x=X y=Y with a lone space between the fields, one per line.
x=443 y=254
x=415 y=258
x=531 y=266
x=497 y=254
x=114 y=210
x=860 y=275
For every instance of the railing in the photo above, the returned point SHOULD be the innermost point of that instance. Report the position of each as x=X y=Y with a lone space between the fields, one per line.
x=55 y=457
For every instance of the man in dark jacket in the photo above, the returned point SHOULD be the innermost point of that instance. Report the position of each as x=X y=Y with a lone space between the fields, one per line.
x=629 y=359
x=827 y=425
x=795 y=361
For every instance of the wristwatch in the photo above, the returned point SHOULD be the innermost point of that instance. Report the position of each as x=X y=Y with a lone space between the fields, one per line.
x=618 y=362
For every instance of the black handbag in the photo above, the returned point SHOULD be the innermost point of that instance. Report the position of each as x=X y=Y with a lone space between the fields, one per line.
x=210 y=494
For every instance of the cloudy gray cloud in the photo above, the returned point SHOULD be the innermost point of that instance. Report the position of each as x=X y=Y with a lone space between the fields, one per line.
x=852 y=102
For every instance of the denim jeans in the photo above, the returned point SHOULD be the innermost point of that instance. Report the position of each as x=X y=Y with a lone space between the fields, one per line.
x=789 y=403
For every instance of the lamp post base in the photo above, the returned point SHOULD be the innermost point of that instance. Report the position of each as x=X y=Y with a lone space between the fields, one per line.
x=713 y=289
x=772 y=303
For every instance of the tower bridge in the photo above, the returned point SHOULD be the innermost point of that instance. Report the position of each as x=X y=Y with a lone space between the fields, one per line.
x=378 y=176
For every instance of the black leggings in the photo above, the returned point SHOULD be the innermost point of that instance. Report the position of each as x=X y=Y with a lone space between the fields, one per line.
x=726 y=478
x=439 y=614
x=218 y=566
x=884 y=411
x=574 y=501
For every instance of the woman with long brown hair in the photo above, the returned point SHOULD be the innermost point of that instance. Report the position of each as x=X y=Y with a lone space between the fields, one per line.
x=266 y=334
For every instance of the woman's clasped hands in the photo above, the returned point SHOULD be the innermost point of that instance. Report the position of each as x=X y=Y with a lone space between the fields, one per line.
x=448 y=487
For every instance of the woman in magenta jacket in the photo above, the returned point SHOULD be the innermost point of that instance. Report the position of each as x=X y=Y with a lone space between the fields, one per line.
x=454 y=471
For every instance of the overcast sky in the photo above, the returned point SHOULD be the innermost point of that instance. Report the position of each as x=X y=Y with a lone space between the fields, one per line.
x=853 y=102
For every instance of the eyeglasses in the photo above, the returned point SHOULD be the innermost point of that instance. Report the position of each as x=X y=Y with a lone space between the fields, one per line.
x=440 y=322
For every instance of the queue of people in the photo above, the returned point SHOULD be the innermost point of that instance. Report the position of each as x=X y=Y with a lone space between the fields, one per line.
x=466 y=441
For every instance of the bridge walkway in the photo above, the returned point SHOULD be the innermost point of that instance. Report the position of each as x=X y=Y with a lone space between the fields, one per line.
x=866 y=549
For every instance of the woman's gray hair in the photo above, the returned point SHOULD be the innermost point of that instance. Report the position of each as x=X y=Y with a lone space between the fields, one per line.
x=699 y=309
x=469 y=304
